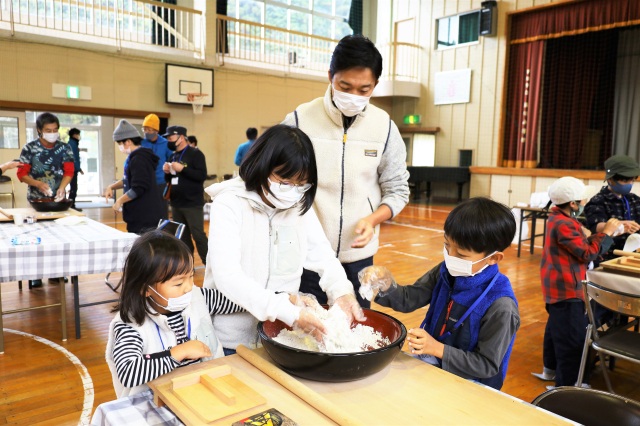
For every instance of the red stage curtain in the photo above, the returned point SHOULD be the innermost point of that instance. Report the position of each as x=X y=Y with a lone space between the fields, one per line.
x=573 y=18
x=523 y=105
x=579 y=82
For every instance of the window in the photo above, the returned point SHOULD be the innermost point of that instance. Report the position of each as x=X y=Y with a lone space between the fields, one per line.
x=324 y=18
x=458 y=30
x=9 y=132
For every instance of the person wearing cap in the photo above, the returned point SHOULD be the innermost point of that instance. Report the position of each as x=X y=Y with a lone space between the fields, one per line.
x=567 y=252
x=141 y=203
x=185 y=173
x=616 y=200
x=157 y=144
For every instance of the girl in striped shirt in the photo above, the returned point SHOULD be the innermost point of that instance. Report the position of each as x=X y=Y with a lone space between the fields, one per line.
x=163 y=322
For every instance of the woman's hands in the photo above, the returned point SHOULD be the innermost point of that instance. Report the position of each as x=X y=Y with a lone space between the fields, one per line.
x=311 y=324
x=350 y=306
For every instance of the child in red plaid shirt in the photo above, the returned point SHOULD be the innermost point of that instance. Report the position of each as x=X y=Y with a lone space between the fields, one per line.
x=567 y=252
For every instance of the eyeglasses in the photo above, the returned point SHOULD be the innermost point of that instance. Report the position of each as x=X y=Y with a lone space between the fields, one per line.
x=286 y=187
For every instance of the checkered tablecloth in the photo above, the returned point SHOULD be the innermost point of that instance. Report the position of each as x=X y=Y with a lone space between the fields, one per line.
x=137 y=409
x=64 y=250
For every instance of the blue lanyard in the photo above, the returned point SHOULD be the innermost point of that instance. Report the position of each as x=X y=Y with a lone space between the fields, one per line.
x=468 y=312
x=627 y=213
x=188 y=333
x=180 y=159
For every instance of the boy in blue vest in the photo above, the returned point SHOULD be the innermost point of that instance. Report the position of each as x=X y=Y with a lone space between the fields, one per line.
x=473 y=316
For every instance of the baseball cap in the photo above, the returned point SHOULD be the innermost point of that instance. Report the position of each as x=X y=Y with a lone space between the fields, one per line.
x=568 y=189
x=175 y=130
x=622 y=165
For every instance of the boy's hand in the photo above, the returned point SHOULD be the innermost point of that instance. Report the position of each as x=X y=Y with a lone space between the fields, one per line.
x=193 y=349
x=421 y=342
x=375 y=278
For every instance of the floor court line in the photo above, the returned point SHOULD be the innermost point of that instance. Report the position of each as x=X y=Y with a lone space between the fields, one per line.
x=87 y=383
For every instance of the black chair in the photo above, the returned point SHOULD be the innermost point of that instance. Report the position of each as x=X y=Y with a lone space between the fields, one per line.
x=590 y=407
x=617 y=341
x=166 y=225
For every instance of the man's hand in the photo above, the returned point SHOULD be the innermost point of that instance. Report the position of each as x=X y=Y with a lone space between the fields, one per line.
x=44 y=188
x=178 y=167
x=630 y=226
x=365 y=230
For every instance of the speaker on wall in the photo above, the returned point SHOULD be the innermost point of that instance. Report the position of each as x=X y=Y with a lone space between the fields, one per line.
x=488 y=18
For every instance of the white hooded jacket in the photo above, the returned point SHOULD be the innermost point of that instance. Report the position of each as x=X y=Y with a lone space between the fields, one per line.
x=256 y=255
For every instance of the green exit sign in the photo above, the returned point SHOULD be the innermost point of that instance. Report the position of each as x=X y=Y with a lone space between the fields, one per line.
x=73 y=92
x=412 y=119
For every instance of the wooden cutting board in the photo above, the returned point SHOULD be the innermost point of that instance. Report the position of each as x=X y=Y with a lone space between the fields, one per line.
x=625 y=264
x=206 y=396
x=6 y=215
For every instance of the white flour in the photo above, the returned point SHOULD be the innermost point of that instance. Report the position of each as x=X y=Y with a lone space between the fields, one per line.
x=340 y=337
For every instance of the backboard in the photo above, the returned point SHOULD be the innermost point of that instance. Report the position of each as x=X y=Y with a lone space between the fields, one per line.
x=181 y=80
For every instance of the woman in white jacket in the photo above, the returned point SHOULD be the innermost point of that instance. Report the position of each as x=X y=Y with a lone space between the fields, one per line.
x=262 y=232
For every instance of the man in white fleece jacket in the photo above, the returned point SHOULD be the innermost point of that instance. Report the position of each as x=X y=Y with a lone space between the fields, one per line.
x=361 y=158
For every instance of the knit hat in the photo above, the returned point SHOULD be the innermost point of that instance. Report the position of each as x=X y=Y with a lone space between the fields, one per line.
x=124 y=131
x=152 y=121
x=568 y=189
x=622 y=165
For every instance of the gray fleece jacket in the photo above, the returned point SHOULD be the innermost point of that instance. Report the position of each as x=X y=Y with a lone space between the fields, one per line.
x=359 y=169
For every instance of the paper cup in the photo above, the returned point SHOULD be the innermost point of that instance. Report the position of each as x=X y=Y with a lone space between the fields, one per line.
x=18 y=219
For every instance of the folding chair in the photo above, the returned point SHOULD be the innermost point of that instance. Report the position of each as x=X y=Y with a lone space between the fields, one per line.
x=590 y=407
x=617 y=341
x=166 y=225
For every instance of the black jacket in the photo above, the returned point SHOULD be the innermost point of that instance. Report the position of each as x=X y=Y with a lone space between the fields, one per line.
x=147 y=207
x=189 y=191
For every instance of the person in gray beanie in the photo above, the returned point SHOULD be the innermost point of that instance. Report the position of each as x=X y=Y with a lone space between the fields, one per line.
x=141 y=203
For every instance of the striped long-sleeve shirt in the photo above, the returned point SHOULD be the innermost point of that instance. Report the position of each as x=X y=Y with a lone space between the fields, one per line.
x=135 y=368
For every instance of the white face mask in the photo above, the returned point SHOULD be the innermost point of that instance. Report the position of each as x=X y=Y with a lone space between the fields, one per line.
x=349 y=104
x=123 y=149
x=174 y=304
x=51 y=137
x=462 y=268
x=282 y=199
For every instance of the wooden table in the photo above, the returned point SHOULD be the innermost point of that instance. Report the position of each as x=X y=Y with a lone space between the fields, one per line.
x=408 y=391
x=532 y=214
x=6 y=215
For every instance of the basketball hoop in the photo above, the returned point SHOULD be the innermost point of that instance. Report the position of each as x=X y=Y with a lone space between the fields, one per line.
x=197 y=101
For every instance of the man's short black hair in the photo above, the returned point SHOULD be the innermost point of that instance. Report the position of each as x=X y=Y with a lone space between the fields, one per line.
x=287 y=151
x=192 y=139
x=73 y=131
x=481 y=225
x=44 y=119
x=252 y=133
x=136 y=141
x=618 y=178
x=356 y=51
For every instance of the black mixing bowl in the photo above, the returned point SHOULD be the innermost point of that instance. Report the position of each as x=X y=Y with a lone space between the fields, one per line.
x=49 y=205
x=335 y=367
